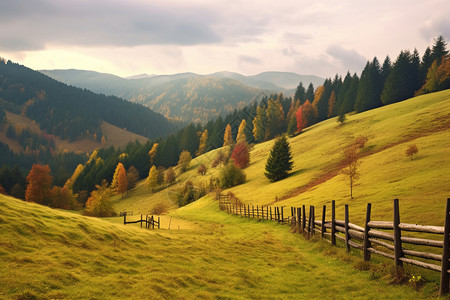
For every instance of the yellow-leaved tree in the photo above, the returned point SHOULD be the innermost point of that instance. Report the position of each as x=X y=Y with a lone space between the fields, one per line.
x=152 y=179
x=202 y=143
x=227 y=137
x=99 y=204
x=241 y=138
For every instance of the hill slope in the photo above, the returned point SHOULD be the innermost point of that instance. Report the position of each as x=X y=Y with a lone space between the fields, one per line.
x=187 y=96
x=69 y=112
x=385 y=170
x=56 y=255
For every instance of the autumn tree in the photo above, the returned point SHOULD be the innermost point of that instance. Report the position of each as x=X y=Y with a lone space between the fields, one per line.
x=350 y=161
x=152 y=179
x=259 y=123
x=152 y=152
x=39 y=184
x=411 y=151
x=170 y=176
x=63 y=198
x=241 y=155
x=241 y=138
x=99 y=202
x=119 y=183
x=221 y=159
x=231 y=175
x=132 y=177
x=332 y=105
x=279 y=162
x=227 y=137
x=69 y=183
x=184 y=161
x=305 y=116
x=275 y=118
x=203 y=142
x=202 y=170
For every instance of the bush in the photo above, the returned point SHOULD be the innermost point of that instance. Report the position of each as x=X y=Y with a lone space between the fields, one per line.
x=411 y=151
x=202 y=169
x=189 y=193
x=160 y=208
x=230 y=176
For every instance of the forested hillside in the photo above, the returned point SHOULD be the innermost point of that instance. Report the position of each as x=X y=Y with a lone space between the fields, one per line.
x=72 y=113
x=188 y=97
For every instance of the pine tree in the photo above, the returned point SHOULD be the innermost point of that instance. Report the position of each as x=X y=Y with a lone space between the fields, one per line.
x=369 y=88
x=309 y=93
x=300 y=93
x=439 y=49
x=227 y=137
x=241 y=138
x=279 y=162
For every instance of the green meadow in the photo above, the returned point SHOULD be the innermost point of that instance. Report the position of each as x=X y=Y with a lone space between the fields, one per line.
x=207 y=254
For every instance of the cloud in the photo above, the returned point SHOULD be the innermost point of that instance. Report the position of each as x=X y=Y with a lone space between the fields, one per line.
x=250 y=60
x=35 y=24
x=435 y=27
x=348 y=58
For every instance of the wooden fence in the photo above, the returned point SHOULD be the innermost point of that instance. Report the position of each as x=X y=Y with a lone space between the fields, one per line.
x=149 y=221
x=386 y=238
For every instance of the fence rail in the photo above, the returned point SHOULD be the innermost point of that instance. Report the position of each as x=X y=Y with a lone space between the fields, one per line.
x=375 y=237
x=149 y=221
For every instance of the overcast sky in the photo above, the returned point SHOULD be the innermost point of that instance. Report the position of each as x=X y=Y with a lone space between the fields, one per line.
x=130 y=37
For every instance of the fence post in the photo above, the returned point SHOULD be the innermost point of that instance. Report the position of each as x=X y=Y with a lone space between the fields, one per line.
x=313 y=219
x=444 y=286
x=304 y=219
x=323 y=220
x=253 y=211
x=309 y=220
x=257 y=211
x=347 y=235
x=299 y=214
x=333 y=222
x=159 y=223
x=271 y=213
x=397 y=236
x=141 y=221
x=124 y=219
x=366 y=244
x=282 y=215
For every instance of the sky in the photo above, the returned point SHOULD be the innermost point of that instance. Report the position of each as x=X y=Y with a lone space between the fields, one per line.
x=130 y=37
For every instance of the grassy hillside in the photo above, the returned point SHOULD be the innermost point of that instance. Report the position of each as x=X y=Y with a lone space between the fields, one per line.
x=385 y=171
x=53 y=254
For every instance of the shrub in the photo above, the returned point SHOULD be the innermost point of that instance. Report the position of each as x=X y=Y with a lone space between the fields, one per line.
x=170 y=176
x=189 y=193
x=184 y=160
x=230 y=176
x=202 y=169
x=411 y=151
x=160 y=208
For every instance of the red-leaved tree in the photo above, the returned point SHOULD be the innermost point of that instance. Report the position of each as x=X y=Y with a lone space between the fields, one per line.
x=39 y=184
x=305 y=115
x=241 y=155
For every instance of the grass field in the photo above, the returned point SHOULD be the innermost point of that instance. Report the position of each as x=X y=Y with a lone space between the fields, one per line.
x=207 y=254
x=50 y=254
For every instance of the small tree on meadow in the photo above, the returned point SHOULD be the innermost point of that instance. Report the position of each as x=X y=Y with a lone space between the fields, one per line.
x=411 y=151
x=152 y=179
x=350 y=161
x=202 y=170
x=170 y=175
x=99 y=203
x=279 y=162
x=241 y=155
x=132 y=177
x=341 y=119
x=184 y=161
x=221 y=159
x=231 y=175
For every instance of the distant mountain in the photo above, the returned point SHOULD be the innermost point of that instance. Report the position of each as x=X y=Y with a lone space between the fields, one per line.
x=187 y=96
x=72 y=113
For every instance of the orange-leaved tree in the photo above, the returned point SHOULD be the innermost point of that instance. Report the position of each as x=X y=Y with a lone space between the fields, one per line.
x=39 y=184
x=227 y=136
x=241 y=155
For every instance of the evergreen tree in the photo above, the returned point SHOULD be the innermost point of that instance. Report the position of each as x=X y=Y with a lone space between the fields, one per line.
x=386 y=69
x=348 y=93
x=439 y=49
x=280 y=161
x=369 y=88
x=275 y=118
x=427 y=60
x=300 y=93
x=309 y=93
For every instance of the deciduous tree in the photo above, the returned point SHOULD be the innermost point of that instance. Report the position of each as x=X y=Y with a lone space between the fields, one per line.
x=99 y=202
x=227 y=137
x=411 y=151
x=152 y=152
x=241 y=138
x=184 y=161
x=241 y=155
x=259 y=123
x=152 y=179
x=39 y=184
x=203 y=143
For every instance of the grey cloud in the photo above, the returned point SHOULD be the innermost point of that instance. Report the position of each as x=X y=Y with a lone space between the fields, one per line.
x=250 y=59
x=349 y=59
x=30 y=25
x=436 y=27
